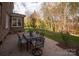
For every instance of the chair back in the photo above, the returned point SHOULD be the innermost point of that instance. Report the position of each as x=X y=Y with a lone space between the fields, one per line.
x=39 y=42
x=24 y=37
x=19 y=38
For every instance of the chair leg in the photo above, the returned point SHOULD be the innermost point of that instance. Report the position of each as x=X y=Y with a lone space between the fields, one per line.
x=37 y=52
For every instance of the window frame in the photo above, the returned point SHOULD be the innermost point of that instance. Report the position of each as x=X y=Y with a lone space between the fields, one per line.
x=17 y=20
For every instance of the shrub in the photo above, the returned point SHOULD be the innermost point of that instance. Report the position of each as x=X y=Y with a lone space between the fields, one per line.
x=65 y=38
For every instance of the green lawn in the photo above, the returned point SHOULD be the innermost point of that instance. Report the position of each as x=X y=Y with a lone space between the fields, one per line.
x=53 y=35
x=59 y=37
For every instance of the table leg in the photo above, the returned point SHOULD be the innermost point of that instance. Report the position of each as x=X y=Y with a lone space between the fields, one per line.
x=27 y=46
x=30 y=45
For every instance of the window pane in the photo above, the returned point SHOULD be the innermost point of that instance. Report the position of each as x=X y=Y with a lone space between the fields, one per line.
x=14 y=22
x=7 y=21
x=19 y=22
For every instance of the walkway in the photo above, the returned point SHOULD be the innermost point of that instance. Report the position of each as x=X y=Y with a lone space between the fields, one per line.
x=10 y=48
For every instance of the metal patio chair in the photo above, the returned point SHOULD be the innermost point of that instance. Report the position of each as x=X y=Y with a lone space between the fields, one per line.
x=29 y=42
x=39 y=44
x=21 y=42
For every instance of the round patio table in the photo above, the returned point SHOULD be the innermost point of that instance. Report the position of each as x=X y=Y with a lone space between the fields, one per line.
x=30 y=40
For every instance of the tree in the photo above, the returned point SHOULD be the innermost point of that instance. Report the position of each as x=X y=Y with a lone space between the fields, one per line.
x=74 y=10
x=73 y=7
x=33 y=19
x=47 y=14
x=28 y=22
x=52 y=11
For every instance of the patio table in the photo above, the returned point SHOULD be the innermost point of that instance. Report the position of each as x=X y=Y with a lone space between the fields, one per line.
x=30 y=39
x=36 y=41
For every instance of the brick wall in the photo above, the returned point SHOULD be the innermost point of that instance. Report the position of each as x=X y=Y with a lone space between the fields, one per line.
x=7 y=8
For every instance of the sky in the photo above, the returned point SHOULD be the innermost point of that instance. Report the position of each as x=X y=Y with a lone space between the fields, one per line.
x=26 y=7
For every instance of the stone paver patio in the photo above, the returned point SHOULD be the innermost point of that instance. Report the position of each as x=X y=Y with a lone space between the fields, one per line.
x=10 y=48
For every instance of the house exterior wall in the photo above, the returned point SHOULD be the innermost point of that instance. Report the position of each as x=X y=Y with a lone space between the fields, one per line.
x=7 y=8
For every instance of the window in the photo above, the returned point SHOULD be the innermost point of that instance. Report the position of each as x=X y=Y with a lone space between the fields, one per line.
x=16 y=22
x=7 y=21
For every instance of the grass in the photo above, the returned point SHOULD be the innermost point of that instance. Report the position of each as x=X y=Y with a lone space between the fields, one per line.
x=74 y=40
x=53 y=35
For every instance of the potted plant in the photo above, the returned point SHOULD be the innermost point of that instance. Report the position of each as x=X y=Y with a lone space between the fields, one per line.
x=30 y=30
